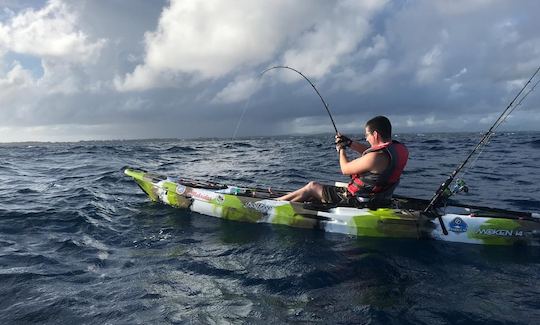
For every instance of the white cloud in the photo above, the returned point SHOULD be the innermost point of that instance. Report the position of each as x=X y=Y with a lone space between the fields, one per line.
x=60 y=53
x=364 y=81
x=308 y=124
x=430 y=65
x=173 y=61
x=238 y=90
x=50 y=32
x=213 y=38
x=378 y=48
x=427 y=121
x=15 y=89
x=210 y=38
x=17 y=77
x=320 y=48
x=62 y=132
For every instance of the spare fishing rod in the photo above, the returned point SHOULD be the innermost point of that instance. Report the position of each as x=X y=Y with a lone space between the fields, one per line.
x=312 y=85
x=509 y=109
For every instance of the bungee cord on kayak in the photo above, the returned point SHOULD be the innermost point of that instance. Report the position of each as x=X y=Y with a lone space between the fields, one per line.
x=312 y=85
x=439 y=194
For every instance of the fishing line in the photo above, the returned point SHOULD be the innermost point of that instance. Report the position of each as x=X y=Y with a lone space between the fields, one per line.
x=485 y=139
x=306 y=78
x=241 y=118
x=488 y=139
x=520 y=101
x=312 y=85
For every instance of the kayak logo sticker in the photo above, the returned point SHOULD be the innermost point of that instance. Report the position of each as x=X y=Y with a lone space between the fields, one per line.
x=500 y=232
x=259 y=206
x=180 y=189
x=458 y=225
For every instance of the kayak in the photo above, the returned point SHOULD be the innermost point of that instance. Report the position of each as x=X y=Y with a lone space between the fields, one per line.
x=403 y=217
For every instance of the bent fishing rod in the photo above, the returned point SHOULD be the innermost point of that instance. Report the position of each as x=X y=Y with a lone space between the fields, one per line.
x=509 y=109
x=312 y=85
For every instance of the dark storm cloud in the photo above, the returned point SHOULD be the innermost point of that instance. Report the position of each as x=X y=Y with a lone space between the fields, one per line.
x=190 y=68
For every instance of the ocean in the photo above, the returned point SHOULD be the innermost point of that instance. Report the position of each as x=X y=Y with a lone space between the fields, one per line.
x=80 y=243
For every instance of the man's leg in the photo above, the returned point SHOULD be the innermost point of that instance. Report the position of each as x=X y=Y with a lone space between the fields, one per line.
x=313 y=191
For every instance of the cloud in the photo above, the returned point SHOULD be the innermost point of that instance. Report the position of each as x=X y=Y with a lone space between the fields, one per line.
x=211 y=38
x=17 y=77
x=339 y=33
x=171 y=68
x=17 y=89
x=50 y=32
x=51 y=48
x=238 y=90
x=364 y=81
x=430 y=65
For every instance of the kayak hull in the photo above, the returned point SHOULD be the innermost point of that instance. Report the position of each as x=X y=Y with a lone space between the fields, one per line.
x=465 y=225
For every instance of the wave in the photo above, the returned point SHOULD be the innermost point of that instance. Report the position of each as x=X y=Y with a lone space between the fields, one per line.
x=432 y=141
x=535 y=143
x=180 y=149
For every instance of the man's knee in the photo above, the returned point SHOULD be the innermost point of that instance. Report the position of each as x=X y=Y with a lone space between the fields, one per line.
x=313 y=185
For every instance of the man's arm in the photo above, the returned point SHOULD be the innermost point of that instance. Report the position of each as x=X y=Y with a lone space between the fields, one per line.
x=354 y=145
x=368 y=162
x=358 y=147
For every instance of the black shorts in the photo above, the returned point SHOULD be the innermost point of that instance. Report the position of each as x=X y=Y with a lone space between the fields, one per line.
x=335 y=195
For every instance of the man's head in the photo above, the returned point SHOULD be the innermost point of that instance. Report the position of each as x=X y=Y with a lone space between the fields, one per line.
x=381 y=125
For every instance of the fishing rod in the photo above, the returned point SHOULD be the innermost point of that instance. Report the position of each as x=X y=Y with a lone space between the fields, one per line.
x=312 y=85
x=509 y=109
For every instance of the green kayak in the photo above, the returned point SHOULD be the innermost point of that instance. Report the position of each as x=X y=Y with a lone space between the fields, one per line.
x=401 y=218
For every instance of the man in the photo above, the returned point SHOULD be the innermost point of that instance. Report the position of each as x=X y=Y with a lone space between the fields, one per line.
x=374 y=175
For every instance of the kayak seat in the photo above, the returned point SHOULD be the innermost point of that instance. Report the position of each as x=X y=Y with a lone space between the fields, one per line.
x=319 y=206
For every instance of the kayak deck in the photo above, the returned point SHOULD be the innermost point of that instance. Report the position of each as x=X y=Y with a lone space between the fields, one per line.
x=402 y=218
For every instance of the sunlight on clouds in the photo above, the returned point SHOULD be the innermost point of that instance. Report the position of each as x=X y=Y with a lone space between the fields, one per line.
x=52 y=37
x=212 y=38
x=14 y=88
x=60 y=132
x=49 y=32
x=320 y=48
x=430 y=65
x=308 y=125
x=16 y=77
x=427 y=121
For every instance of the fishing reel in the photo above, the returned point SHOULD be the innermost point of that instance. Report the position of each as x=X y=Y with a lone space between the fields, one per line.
x=459 y=186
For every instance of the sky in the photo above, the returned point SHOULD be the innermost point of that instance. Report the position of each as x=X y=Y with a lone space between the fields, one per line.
x=128 y=69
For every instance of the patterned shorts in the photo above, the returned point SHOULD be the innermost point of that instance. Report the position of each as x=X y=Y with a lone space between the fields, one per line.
x=335 y=195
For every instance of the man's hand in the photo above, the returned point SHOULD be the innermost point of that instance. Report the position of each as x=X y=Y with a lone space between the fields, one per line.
x=342 y=142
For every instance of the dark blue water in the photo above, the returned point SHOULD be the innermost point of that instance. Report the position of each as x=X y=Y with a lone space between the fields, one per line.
x=80 y=243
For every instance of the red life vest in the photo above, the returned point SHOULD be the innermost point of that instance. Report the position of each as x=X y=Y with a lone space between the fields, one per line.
x=370 y=184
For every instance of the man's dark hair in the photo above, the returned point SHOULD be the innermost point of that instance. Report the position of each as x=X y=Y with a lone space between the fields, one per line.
x=382 y=125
